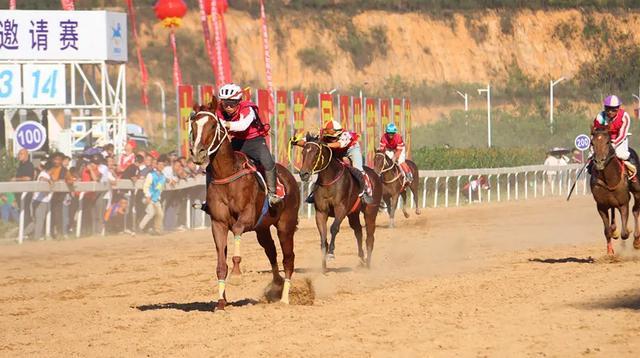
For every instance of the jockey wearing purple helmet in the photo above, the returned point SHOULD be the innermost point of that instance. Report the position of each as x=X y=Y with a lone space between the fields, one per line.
x=618 y=121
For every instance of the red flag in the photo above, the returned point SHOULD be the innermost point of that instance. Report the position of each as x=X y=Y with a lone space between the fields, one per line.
x=177 y=74
x=267 y=53
x=144 y=75
x=206 y=33
x=12 y=4
x=67 y=4
x=185 y=106
x=345 y=109
x=357 y=115
x=264 y=97
x=217 y=38
x=371 y=120
x=326 y=108
x=226 y=63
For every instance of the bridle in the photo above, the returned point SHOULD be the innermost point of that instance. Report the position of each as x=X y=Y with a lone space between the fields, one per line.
x=320 y=158
x=391 y=166
x=220 y=135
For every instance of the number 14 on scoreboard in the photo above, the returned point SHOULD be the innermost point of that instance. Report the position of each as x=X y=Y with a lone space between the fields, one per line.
x=44 y=84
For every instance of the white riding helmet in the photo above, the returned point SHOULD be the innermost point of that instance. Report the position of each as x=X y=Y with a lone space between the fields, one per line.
x=230 y=91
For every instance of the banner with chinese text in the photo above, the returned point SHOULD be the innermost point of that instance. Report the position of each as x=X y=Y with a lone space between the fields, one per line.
x=299 y=101
x=326 y=108
x=205 y=94
x=263 y=110
x=185 y=106
x=407 y=126
x=371 y=124
x=281 y=132
x=345 y=112
x=397 y=111
x=63 y=35
x=385 y=114
x=357 y=115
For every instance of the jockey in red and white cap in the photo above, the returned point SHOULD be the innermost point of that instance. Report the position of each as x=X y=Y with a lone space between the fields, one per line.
x=393 y=146
x=618 y=121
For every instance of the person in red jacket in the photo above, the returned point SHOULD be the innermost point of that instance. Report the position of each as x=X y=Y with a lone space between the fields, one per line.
x=248 y=134
x=393 y=146
x=618 y=121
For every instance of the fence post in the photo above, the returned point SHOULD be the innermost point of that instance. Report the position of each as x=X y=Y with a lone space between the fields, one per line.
x=498 y=186
x=535 y=184
x=458 y=190
x=424 y=193
x=446 y=192
x=508 y=186
x=435 y=195
x=188 y=216
x=526 y=185
x=21 y=220
x=79 y=219
x=489 y=190
x=515 y=177
x=47 y=223
x=470 y=199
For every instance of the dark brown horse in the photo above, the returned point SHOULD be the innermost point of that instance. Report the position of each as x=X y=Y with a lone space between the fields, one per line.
x=610 y=189
x=337 y=195
x=394 y=184
x=236 y=201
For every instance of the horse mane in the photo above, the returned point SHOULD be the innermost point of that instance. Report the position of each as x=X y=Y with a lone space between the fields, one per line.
x=211 y=107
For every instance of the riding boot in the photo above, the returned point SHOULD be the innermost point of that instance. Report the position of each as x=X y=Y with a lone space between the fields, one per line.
x=270 y=178
x=407 y=172
x=365 y=194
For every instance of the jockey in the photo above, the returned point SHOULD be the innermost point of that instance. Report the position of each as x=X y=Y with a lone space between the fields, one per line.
x=247 y=135
x=344 y=144
x=393 y=146
x=618 y=121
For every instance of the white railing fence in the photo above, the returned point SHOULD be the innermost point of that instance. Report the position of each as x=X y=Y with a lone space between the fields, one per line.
x=440 y=188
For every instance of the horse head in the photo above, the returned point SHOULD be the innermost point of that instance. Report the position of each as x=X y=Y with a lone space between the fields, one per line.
x=312 y=156
x=206 y=131
x=602 y=147
x=380 y=162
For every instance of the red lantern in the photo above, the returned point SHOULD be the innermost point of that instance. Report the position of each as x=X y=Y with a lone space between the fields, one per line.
x=170 y=12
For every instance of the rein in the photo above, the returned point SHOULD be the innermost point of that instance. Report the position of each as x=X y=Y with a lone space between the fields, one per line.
x=218 y=135
x=248 y=169
x=386 y=169
x=320 y=160
x=622 y=170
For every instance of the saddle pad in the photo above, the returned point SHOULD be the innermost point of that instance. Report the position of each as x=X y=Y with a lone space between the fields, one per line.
x=367 y=181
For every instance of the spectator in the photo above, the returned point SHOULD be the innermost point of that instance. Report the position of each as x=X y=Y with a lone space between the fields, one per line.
x=475 y=186
x=132 y=173
x=41 y=202
x=555 y=157
x=147 y=166
x=106 y=177
x=153 y=187
x=576 y=157
x=89 y=174
x=59 y=212
x=25 y=172
x=128 y=157
x=108 y=151
x=8 y=207
x=115 y=216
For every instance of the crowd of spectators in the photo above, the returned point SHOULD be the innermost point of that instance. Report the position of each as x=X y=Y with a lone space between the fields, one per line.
x=151 y=209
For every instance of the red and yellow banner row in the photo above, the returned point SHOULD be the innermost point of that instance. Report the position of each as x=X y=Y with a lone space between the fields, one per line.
x=368 y=117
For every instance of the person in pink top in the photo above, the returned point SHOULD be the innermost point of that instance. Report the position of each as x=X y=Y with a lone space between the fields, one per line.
x=127 y=158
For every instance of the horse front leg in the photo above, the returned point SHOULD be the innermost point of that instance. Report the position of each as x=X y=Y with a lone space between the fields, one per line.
x=636 y=227
x=321 y=223
x=335 y=228
x=354 y=222
x=624 y=218
x=404 y=204
x=604 y=215
x=393 y=204
x=219 y=231
x=236 y=273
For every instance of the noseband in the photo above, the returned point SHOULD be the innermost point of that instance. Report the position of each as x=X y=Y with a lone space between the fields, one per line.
x=384 y=163
x=320 y=158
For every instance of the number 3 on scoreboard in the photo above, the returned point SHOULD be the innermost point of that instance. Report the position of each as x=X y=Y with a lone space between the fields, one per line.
x=10 y=84
x=44 y=84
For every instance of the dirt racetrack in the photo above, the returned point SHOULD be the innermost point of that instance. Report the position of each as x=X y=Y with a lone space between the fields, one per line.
x=507 y=279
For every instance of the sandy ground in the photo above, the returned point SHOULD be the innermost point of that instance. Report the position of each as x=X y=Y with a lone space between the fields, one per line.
x=508 y=279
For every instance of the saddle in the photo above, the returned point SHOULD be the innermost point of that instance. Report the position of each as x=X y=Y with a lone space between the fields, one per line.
x=249 y=166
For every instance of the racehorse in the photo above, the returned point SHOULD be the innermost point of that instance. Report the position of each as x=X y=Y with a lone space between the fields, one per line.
x=394 y=184
x=610 y=189
x=237 y=202
x=337 y=195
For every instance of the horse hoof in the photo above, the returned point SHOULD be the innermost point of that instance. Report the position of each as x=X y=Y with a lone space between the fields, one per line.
x=636 y=243
x=234 y=279
x=406 y=215
x=220 y=306
x=418 y=212
x=616 y=234
x=331 y=257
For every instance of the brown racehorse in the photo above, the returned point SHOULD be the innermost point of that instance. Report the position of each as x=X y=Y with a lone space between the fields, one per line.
x=610 y=189
x=394 y=185
x=337 y=195
x=237 y=201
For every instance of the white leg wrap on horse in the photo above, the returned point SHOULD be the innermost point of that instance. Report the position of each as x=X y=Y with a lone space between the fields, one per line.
x=236 y=246
x=285 y=291
x=221 y=289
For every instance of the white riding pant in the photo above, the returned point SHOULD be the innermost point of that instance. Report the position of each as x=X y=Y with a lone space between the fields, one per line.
x=401 y=158
x=622 y=150
x=355 y=154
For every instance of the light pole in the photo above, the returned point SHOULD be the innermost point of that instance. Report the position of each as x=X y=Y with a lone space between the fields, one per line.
x=466 y=100
x=488 y=91
x=551 y=84
x=164 y=111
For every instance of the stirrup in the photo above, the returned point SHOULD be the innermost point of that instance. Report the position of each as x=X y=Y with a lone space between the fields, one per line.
x=274 y=199
x=310 y=198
